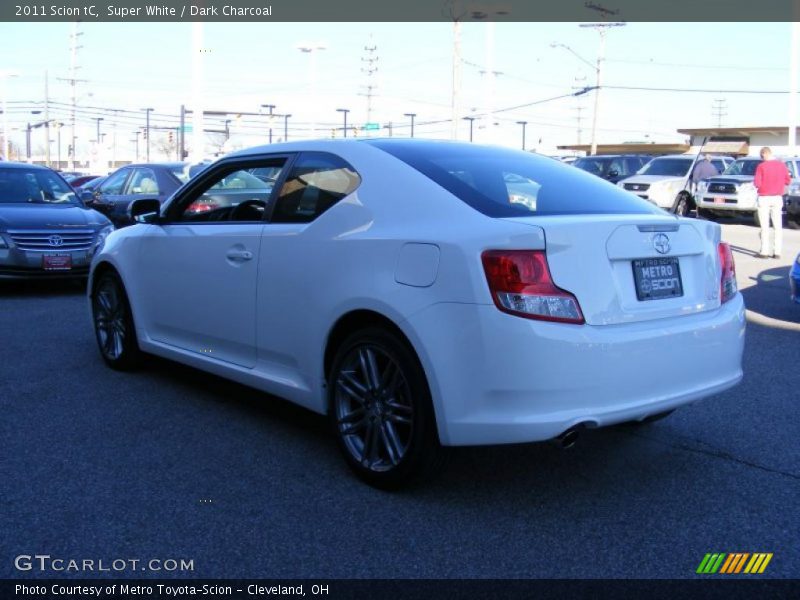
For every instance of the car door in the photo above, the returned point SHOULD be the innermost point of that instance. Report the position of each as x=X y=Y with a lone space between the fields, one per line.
x=198 y=267
x=109 y=192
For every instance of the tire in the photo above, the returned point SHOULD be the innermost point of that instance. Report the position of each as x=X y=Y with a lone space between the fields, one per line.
x=793 y=221
x=682 y=205
x=381 y=411
x=113 y=323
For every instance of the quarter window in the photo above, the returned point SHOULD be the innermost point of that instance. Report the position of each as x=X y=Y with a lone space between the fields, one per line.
x=317 y=181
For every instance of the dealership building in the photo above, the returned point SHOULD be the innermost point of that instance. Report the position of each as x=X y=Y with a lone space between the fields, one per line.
x=733 y=141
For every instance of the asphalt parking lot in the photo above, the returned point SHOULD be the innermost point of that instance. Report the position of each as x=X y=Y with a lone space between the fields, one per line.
x=171 y=463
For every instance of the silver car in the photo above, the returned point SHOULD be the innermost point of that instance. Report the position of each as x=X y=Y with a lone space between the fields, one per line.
x=45 y=230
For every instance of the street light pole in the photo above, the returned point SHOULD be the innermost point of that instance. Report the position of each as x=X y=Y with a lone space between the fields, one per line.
x=412 y=115
x=271 y=107
x=286 y=127
x=146 y=135
x=523 y=123
x=98 y=119
x=470 y=119
x=58 y=131
x=344 y=112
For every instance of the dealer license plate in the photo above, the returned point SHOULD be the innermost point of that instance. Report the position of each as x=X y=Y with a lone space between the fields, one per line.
x=719 y=200
x=57 y=262
x=657 y=278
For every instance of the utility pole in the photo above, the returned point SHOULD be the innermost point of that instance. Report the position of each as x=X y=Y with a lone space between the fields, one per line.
x=137 y=133
x=389 y=127
x=58 y=130
x=580 y=83
x=370 y=58
x=601 y=29
x=73 y=81
x=182 y=135
x=718 y=109
x=146 y=133
x=793 y=66
x=46 y=119
x=286 y=127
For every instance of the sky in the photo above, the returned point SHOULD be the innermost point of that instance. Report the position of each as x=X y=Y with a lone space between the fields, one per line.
x=130 y=66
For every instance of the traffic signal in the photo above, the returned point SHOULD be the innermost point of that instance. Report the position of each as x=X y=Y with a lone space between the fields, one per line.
x=171 y=137
x=144 y=134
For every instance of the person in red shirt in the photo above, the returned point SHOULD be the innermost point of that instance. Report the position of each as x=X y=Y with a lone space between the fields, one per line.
x=772 y=177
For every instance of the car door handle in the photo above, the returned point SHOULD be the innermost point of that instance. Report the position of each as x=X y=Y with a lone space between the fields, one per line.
x=239 y=255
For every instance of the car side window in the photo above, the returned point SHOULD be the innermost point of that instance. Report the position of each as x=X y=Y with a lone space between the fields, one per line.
x=115 y=182
x=233 y=193
x=790 y=166
x=317 y=181
x=143 y=181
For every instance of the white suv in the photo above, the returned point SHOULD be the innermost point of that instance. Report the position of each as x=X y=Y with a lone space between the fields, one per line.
x=664 y=181
x=733 y=191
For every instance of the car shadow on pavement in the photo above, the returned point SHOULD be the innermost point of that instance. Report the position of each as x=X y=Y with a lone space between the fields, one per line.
x=12 y=288
x=770 y=295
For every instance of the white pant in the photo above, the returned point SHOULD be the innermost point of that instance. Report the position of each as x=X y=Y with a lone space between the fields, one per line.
x=770 y=207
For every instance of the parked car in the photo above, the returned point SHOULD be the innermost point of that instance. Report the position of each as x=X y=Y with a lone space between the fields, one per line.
x=79 y=180
x=792 y=205
x=394 y=285
x=794 y=280
x=45 y=230
x=733 y=192
x=150 y=180
x=90 y=186
x=613 y=167
x=664 y=181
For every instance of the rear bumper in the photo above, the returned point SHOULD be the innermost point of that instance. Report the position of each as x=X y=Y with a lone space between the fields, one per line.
x=504 y=379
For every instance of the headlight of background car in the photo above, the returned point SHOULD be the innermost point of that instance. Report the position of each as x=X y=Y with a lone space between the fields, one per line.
x=101 y=238
x=702 y=187
x=3 y=243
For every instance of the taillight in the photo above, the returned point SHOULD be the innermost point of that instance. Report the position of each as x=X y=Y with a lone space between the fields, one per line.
x=727 y=281
x=520 y=283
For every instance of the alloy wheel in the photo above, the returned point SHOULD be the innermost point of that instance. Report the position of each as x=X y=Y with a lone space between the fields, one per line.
x=109 y=319
x=373 y=408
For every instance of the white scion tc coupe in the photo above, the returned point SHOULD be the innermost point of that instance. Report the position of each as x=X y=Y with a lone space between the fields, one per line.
x=425 y=294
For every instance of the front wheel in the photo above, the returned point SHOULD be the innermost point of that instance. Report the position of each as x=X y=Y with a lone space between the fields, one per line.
x=381 y=410
x=113 y=323
x=682 y=205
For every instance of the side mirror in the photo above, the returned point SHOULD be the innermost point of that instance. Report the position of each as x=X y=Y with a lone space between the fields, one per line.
x=86 y=196
x=144 y=210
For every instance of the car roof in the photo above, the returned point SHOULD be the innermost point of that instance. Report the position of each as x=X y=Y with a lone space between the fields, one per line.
x=21 y=165
x=167 y=165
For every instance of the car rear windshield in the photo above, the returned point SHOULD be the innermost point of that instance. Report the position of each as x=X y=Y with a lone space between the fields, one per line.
x=673 y=167
x=34 y=186
x=500 y=182
x=742 y=167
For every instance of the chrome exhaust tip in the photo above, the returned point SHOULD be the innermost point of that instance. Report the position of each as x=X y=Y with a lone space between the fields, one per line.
x=566 y=439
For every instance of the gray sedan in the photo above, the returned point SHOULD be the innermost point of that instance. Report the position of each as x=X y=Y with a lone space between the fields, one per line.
x=45 y=230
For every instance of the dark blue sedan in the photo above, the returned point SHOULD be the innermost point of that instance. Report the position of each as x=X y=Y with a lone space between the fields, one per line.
x=131 y=182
